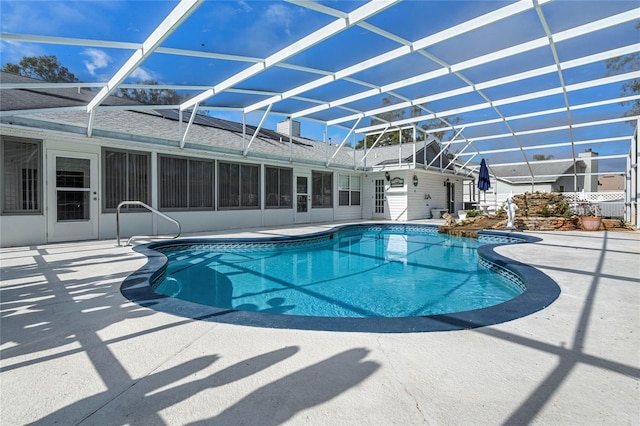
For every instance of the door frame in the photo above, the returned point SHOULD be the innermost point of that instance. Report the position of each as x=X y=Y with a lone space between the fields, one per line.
x=451 y=197
x=77 y=229
x=302 y=216
x=375 y=214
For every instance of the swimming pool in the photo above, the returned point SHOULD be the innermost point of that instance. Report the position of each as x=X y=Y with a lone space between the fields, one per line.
x=366 y=277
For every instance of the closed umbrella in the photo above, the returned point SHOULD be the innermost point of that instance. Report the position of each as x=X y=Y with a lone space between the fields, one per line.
x=484 y=182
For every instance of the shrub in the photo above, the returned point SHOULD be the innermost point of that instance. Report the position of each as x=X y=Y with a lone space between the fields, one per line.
x=473 y=213
x=562 y=208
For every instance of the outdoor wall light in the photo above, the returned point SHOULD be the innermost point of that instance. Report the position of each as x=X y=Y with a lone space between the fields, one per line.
x=387 y=176
x=446 y=182
x=415 y=180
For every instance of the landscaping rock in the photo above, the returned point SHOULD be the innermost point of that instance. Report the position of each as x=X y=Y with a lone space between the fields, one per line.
x=536 y=212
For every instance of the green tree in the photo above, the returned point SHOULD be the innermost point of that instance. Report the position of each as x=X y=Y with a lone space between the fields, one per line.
x=542 y=157
x=438 y=124
x=623 y=64
x=45 y=68
x=48 y=68
x=392 y=137
x=151 y=96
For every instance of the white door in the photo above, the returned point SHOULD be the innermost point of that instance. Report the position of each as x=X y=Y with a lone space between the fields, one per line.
x=379 y=200
x=72 y=196
x=303 y=199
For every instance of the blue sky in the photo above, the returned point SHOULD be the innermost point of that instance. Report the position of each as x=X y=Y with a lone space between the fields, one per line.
x=260 y=28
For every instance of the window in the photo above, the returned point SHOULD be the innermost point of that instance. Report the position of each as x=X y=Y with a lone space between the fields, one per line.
x=278 y=187
x=322 y=189
x=73 y=189
x=348 y=190
x=185 y=183
x=238 y=185
x=126 y=178
x=22 y=176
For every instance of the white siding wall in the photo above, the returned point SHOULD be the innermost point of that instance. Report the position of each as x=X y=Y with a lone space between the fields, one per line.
x=397 y=203
x=277 y=217
x=33 y=229
x=198 y=221
x=22 y=230
x=210 y=221
x=139 y=223
x=348 y=212
x=397 y=197
x=419 y=205
x=403 y=203
x=438 y=193
x=321 y=215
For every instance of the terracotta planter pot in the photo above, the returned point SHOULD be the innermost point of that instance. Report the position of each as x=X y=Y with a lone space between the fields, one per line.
x=591 y=223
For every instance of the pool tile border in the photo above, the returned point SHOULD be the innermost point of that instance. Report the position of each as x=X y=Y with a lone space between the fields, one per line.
x=540 y=290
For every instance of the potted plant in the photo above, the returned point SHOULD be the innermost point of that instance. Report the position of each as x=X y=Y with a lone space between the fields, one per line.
x=589 y=216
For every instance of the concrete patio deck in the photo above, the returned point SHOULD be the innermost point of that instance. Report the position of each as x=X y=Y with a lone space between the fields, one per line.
x=75 y=351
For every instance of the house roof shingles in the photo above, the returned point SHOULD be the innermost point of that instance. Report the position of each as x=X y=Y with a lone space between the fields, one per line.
x=544 y=172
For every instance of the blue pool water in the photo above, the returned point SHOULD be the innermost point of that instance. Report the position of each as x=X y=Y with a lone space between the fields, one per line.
x=353 y=273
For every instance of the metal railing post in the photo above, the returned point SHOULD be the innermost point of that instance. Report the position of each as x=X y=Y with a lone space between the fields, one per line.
x=151 y=209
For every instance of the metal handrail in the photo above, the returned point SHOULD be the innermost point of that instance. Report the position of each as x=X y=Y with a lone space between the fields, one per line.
x=151 y=209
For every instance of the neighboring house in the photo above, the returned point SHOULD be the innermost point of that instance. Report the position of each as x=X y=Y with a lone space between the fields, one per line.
x=548 y=176
x=611 y=183
x=64 y=172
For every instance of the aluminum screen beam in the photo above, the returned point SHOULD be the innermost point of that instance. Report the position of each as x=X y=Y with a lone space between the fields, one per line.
x=493 y=56
x=552 y=129
x=510 y=100
x=183 y=139
x=68 y=41
x=335 y=27
x=341 y=145
x=560 y=160
x=481 y=21
x=626 y=50
x=255 y=134
x=551 y=145
x=176 y=17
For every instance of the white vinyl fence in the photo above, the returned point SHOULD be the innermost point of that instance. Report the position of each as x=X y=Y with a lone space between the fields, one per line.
x=611 y=204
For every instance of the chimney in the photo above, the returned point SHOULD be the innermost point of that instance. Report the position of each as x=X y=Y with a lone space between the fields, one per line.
x=283 y=127
x=590 y=159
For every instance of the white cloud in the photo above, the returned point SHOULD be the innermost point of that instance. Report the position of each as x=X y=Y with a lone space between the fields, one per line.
x=13 y=52
x=244 y=6
x=279 y=15
x=140 y=74
x=97 y=59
